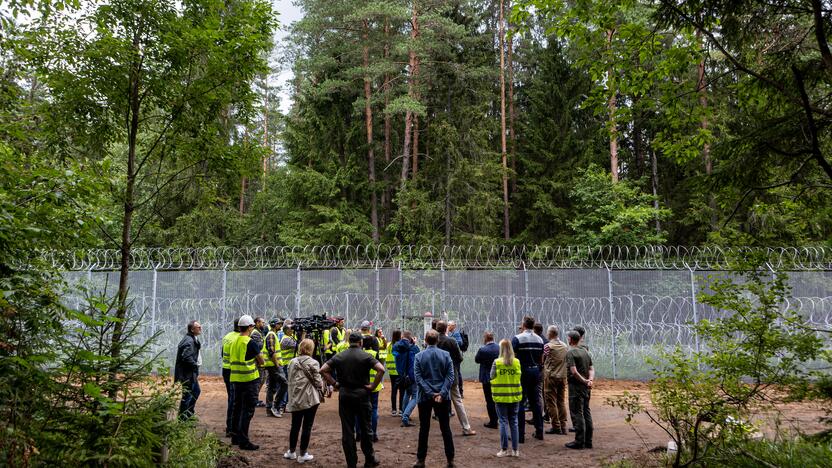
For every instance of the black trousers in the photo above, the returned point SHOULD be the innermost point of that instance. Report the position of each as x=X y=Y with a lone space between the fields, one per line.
x=442 y=412
x=301 y=423
x=277 y=386
x=354 y=404
x=394 y=384
x=489 y=404
x=579 y=411
x=530 y=380
x=229 y=389
x=245 y=401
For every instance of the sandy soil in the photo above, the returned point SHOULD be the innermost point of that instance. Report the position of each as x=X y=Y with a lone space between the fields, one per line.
x=614 y=438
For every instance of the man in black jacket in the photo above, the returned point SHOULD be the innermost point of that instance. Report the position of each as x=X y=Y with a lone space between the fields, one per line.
x=450 y=345
x=485 y=357
x=186 y=369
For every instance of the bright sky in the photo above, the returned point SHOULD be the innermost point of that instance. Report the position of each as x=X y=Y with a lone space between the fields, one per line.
x=288 y=13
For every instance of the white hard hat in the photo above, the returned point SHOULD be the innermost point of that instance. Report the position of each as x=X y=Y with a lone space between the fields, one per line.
x=245 y=321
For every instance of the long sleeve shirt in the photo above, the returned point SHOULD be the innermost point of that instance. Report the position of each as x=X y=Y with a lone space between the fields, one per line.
x=434 y=373
x=528 y=348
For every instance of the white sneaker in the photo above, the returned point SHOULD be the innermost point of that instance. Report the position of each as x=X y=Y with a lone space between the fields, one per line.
x=290 y=455
x=515 y=453
x=305 y=458
x=394 y=413
x=503 y=453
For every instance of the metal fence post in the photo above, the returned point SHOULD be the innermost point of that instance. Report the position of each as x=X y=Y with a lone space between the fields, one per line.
x=378 y=294
x=612 y=322
x=401 y=295
x=223 y=304
x=347 y=309
x=442 y=297
x=297 y=292
x=153 y=302
x=695 y=314
x=526 y=290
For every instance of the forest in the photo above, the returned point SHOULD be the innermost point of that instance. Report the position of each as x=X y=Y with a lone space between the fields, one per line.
x=437 y=122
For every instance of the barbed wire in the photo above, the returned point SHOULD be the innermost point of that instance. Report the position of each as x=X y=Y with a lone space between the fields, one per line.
x=438 y=257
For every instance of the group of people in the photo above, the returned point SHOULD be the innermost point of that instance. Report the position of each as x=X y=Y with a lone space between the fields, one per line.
x=517 y=375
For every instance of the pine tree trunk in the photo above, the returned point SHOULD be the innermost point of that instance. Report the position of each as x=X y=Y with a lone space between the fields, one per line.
x=503 y=122
x=242 y=195
x=386 y=195
x=511 y=109
x=266 y=134
x=411 y=91
x=655 y=182
x=612 y=106
x=415 y=155
x=368 y=116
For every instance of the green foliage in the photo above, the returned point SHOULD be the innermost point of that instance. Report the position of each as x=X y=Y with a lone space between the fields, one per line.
x=754 y=358
x=608 y=213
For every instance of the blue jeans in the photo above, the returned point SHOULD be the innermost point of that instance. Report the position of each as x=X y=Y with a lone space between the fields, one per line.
x=373 y=416
x=409 y=402
x=507 y=414
x=190 y=393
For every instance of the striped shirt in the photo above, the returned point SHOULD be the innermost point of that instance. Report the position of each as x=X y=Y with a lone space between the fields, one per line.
x=528 y=348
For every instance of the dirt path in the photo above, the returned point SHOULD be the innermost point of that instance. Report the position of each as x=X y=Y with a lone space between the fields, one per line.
x=614 y=439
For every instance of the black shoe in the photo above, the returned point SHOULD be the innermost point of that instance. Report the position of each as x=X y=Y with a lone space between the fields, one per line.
x=419 y=464
x=372 y=463
x=588 y=446
x=235 y=441
x=538 y=435
x=553 y=431
x=229 y=434
x=574 y=445
x=491 y=425
x=522 y=440
x=571 y=429
x=261 y=404
x=450 y=464
x=249 y=446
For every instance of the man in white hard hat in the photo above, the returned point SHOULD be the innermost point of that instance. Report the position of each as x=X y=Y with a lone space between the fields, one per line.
x=245 y=360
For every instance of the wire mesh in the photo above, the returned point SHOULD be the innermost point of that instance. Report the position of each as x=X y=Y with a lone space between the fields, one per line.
x=628 y=314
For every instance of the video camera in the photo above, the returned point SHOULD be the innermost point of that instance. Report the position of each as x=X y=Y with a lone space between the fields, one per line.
x=310 y=325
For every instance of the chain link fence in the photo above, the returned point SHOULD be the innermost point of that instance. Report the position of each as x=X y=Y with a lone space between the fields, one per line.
x=628 y=313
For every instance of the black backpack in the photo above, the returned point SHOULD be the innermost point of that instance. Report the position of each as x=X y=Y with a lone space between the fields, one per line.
x=465 y=342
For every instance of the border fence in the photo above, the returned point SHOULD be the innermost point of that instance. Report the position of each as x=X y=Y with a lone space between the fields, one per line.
x=631 y=300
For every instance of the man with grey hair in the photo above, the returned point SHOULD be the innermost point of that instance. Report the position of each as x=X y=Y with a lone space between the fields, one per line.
x=580 y=374
x=186 y=369
x=457 y=336
x=554 y=381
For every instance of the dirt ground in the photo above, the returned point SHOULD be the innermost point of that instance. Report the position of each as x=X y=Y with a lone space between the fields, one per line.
x=614 y=439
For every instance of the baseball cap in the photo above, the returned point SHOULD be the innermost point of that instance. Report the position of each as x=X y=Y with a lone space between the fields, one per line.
x=365 y=324
x=246 y=321
x=288 y=323
x=274 y=322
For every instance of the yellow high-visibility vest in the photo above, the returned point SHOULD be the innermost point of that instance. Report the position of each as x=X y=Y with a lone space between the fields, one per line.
x=227 y=342
x=265 y=352
x=390 y=361
x=287 y=354
x=373 y=372
x=505 y=386
x=242 y=370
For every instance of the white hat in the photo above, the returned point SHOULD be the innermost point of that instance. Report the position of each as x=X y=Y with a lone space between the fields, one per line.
x=245 y=321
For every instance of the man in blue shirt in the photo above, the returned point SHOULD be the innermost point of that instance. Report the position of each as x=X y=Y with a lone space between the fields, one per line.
x=485 y=357
x=434 y=376
x=528 y=348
